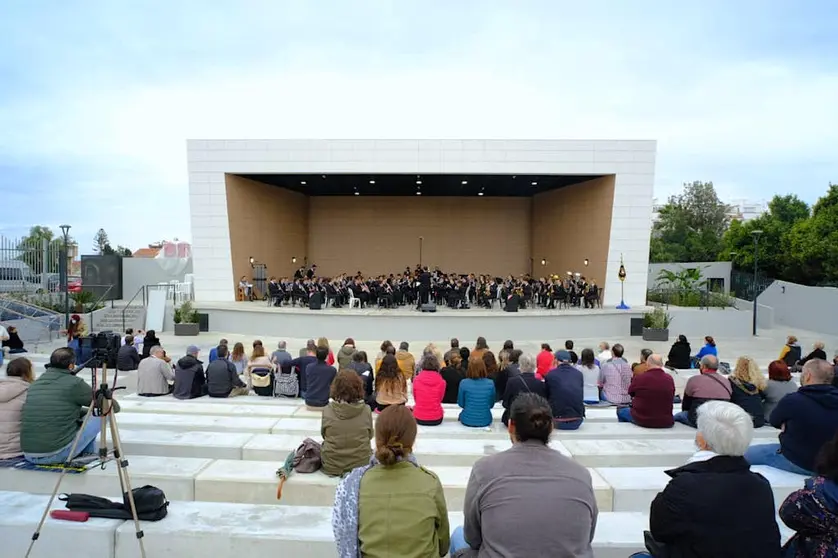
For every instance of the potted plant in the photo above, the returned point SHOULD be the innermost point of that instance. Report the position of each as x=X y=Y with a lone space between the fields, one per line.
x=82 y=299
x=656 y=325
x=186 y=320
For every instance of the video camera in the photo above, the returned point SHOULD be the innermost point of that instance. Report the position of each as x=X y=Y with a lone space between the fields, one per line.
x=98 y=349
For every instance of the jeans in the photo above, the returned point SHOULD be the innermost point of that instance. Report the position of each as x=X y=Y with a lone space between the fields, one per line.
x=683 y=418
x=641 y=555
x=458 y=540
x=624 y=414
x=768 y=454
x=568 y=425
x=88 y=443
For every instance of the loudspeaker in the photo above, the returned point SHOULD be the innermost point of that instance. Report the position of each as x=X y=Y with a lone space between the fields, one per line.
x=512 y=304
x=429 y=307
x=315 y=301
x=203 y=322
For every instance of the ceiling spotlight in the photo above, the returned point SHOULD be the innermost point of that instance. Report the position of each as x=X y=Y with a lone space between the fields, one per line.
x=418 y=193
x=418 y=181
x=569 y=273
x=479 y=193
x=293 y=259
x=357 y=193
x=586 y=262
x=543 y=261
x=514 y=177
x=535 y=183
x=464 y=182
x=251 y=260
x=372 y=181
x=322 y=176
x=303 y=182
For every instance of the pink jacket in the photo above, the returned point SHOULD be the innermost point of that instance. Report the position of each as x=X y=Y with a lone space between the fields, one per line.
x=428 y=390
x=12 y=397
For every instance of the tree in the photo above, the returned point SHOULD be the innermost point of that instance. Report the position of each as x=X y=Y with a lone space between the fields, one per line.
x=30 y=250
x=124 y=252
x=102 y=244
x=690 y=226
x=813 y=242
x=687 y=279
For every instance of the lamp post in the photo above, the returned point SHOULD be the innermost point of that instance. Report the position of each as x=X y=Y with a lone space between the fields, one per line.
x=65 y=280
x=756 y=234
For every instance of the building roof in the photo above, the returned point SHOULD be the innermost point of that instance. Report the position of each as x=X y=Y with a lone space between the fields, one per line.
x=147 y=253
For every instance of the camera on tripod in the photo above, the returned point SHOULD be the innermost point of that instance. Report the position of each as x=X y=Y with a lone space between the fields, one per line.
x=98 y=349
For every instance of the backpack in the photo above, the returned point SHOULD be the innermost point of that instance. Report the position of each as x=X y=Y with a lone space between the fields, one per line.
x=287 y=384
x=150 y=501
x=305 y=459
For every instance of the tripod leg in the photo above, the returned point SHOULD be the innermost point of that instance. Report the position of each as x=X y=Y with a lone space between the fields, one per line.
x=124 y=479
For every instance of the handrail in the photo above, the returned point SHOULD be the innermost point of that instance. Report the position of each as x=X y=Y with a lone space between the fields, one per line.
x=144 y=290
x=95 y=304
x=46 y=321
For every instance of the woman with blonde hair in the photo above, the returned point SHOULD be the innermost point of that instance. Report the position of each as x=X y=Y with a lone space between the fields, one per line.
x=324 y=343
x=747 y=389
x=260 y=371
x=238 y=358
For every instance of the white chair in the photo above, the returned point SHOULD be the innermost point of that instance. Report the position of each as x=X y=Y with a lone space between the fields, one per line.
x=354 y=301
x=183 y=292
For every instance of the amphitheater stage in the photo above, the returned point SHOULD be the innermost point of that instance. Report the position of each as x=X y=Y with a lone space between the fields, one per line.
x=256 y=318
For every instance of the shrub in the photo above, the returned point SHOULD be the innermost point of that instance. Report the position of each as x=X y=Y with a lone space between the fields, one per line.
x=186 y=314
x=657 y=319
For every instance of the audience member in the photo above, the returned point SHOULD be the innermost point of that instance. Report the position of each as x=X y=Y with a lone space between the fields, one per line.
x=503 y=355
x=812 y=511
x=300 y=365
x=155 y=376
x=568 y=345
x=641 y=366
x=311 y=347
x=455 y=348
x=428 y=392
x=4 y=337
x=150 y=340
x=817 y=352
x=222 y=379
x=453 y=375
x=260 y=371
x=708 y=385
x=127 y=357
x=477 y=395
x=652 y=393
x=709 y=349
x=510 y=370
x=747 y=384
x=11 y=341
x=604 y=353
x=239 y=359
x=779 y=384
x=318 y=378
x=13 y=390
x=346 y=426
x=714 y=506
x=323 y=343
x=392 y=507
x=615 y=377
x=523 y=382
x=564 y=389
x=679 y=354
x=390 y=384
x=791 y=352
x=465 y=356
x=345 y=353
x=808 y=419
x=389 y=350
x=382 y=352
x=590 y=376
x=480 y=347
x=361 y=367
x=190 y=381
x=544 y=361
x=491 y=365
x=550 y=496
x=405 y=360
x=213 y=354
x=281 y=358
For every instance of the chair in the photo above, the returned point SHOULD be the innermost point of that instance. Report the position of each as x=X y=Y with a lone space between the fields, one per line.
x=354 y=301
x=183 y=292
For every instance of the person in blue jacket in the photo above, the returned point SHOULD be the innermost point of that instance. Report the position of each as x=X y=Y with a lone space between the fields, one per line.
x=476 y=395
x=709 y=348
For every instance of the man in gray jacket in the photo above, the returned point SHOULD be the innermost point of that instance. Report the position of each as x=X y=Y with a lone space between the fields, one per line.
x=222 y=378
x=155 y=376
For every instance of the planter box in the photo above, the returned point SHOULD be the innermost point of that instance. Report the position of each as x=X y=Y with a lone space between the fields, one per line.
x=186 y=329
x=650 y=334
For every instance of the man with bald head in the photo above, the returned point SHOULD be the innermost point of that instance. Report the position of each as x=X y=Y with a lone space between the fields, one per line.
x=652 y=393
x=808 y=420
x=708 y=385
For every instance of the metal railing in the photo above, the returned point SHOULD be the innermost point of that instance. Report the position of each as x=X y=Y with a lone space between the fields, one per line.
x=743 y=286
x=143 y=290
x=46 y=320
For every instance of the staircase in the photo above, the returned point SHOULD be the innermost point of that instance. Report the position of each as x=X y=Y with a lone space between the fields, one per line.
x=111 y=319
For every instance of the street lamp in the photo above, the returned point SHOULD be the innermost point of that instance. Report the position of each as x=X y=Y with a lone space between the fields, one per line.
x=756 y=234
x=65 y=280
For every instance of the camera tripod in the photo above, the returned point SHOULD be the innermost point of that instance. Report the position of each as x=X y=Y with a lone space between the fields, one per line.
x=101 y=406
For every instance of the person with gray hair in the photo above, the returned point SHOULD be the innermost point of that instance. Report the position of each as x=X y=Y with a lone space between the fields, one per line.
x=524 y=382
x=154 y=375
x=808 y=420
x=708 y=385
x=714 y=505
x=310 y=347
x=281 y=358
x=652 y=394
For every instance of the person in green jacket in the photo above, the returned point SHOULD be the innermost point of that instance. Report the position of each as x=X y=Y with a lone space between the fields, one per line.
x=346 y=426
x=52 y=415
x=392 y=507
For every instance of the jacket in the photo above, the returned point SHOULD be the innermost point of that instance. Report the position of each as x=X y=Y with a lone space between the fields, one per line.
x=812 y=512
x=810 y=417
x=565 y=388
x=406 y=364
x=12 y=397
x=428 y=391
x=503 y=378
x=476 y=397
x=747 y=396
x=716 y=508
x=707 y=349
x=300 y=365
x=402 y=513
x=345 y=356
x=773 y=392
x=702 y=388
x=543 y=363
x=526 y=382
x=452 y=377
x=791 y=353
x=189 y=378
x=153 y=376
x=615 y=378
x=127 y=358
x=319 y=378
x=364 y=370
x=679 y=356
x=347 y=430
x=222 y=378
x=148 y=343
x=816 y=353
x=652 y=394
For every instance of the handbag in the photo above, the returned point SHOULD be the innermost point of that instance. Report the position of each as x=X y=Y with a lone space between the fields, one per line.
x=260 y=377
x=287 y=384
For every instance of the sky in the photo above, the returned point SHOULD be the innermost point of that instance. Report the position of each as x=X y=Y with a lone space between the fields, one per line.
x=97 y=98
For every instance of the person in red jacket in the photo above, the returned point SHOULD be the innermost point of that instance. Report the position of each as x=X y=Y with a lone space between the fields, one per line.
x=652 y=394
x=544 y=361
x=428 y=391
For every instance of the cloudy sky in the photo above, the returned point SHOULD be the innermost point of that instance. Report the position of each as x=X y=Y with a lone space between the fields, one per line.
x=98 y=98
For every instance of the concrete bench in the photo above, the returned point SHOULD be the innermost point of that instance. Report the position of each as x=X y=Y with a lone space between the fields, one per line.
x=251 y=399
x=207 y=445
x=196 y=423
x=208 y=408
x=634 y=488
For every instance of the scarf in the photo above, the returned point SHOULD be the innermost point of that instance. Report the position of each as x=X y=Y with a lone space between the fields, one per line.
x=346 y=510
x=702 y=455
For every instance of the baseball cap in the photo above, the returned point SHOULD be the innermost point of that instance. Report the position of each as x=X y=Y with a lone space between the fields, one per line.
x=562 y=356
x=192 y=350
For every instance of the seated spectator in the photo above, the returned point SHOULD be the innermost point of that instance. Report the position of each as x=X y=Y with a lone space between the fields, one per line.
x=507 y=372
x=708 y=385
x=679 y=354
x=388 y=350
x=239 y=359
x=190 y=381
x=319 y=377
x=346 y=426
x=150 y=340
x=383 y=352
x=615 y=377
x=491 y=365
x=13 y=389
x=480 y=347
x=465 y=356
x=714 y=506
x=812 y=511
x=503 y=355
x=281 y=358
x=590 y=375
x=709 y=349
x=345 y=353
x=428 y=391
x=300 y=365
x=808 y=419
x=523 y=382
x=544 y=361
x=324 y=343
x=791 y=352
x=260 y=371
x=127 y=357
x=747 y=384
x=452 y=375
x=213 y=354
x=565 y=388
x=222 y=379
x=476 y=396
x=311 y=347
x=390 y=385
x=155 y=376
x=652 y=393
x=361 y=367
x=550 y=496
x=640 y=367
x=53 y=411
x=405 y=360
x=604 y=353
x=817 y=352
x=455 y=348
x=392 y=507
x=568 y=345
x=779 y=384
x=11 y=341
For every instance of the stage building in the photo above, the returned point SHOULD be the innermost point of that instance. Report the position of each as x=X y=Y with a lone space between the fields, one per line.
x=498 y=207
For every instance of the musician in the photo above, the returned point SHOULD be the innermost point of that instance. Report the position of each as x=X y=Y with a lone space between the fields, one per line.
x=424 y=281
x=592 y=295
x=299 y=273
x=312 y=271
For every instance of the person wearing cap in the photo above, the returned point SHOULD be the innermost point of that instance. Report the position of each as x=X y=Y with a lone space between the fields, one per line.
x=190 y=381
x=565 y=388
x=345 y=354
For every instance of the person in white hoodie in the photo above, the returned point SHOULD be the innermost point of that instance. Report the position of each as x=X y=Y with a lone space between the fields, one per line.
x=13 y=390
x=604 y=353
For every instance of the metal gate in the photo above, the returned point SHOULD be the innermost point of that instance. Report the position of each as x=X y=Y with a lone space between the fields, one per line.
x=31 y=267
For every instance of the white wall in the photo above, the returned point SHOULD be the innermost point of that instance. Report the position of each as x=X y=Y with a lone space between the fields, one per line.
x=710 y=270
x=800 y=307
x=721 y=323
x=137 y=272
x=633 y=163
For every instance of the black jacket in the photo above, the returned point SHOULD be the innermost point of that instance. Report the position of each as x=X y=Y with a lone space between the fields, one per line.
x=452 y=377
x=817 y=353
x=222 y=378
x=810 y=416
x=299 y=365
x=749 y=398
x=319 y=378
x=190 y=381
x=679 y=356
x=503 y=378
x=565 y=388
x=716 y=509
x=127 y=358
x=148 y=343
x=362 y=368
x=522 y=383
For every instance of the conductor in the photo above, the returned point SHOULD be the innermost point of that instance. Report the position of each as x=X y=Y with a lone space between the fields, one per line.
x=424 y=287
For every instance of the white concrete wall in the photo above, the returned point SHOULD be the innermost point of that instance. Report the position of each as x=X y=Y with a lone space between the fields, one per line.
x=137 y=272
x=721 y=323
x=710 y=270
x=801 y=307
x=633 y=163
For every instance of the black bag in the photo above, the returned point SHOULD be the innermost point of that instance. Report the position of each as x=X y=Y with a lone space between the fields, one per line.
x=150 y=501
